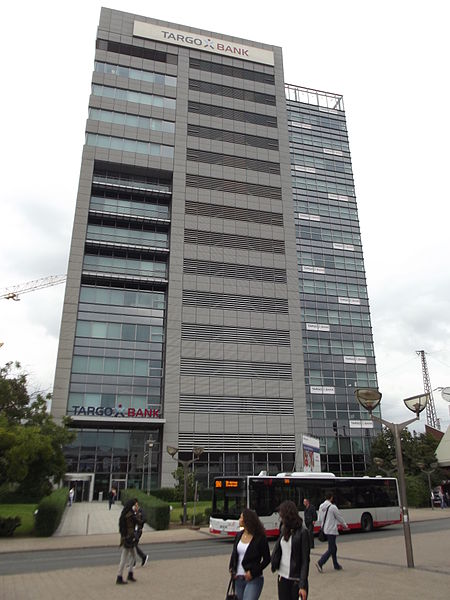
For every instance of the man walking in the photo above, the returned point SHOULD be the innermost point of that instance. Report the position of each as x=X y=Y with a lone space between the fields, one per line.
x=330 y=518
x=309 y=517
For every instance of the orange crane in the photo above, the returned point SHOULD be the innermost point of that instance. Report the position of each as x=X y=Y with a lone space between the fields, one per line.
x=13 y=293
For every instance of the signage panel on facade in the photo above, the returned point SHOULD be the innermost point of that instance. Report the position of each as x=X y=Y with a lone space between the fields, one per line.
x=322 y=389
x=311 y=454
x=355 y=424
x=199 y=41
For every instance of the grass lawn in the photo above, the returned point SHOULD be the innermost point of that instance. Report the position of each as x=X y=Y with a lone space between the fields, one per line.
x=26 y=514
x=177 y=510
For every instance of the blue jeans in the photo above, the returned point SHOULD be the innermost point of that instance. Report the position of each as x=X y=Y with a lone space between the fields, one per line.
x=249 y=590
x=332 y=551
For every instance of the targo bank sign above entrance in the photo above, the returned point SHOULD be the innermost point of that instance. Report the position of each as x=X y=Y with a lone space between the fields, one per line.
x=119 y=412
x=202 y=42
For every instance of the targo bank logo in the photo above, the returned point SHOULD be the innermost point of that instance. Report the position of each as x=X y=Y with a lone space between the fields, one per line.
x=119 y=412
x=204 y=43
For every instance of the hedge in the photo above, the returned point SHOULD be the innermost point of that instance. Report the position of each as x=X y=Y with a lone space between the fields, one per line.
x=157 y=511
x=50 y=511
x=8 y=525
x=171 y=495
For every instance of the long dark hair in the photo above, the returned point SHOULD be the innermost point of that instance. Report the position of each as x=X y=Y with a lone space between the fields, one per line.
x=290 y=518
x=252 y=523
x=122 y=519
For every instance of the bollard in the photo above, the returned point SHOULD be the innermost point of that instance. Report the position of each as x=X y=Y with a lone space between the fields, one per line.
x=87 y=525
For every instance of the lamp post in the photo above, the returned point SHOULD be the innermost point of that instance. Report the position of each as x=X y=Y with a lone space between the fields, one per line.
x=149 y=465
x=369 y=398
x=185 y=464
x=432 y=467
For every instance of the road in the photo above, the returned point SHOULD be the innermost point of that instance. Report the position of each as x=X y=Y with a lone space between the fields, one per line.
x=51 y=560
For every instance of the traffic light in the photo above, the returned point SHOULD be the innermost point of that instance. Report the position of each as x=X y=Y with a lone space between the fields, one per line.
x=335 y=429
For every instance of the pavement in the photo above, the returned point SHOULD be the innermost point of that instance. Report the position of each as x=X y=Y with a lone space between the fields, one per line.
x=372 y=568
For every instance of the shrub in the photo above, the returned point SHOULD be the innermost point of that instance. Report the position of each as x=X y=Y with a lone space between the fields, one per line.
x=8 y=525
x=417 y=491
x=50 y=511
x=157 y=511
x=166 y=494
x=205 y=494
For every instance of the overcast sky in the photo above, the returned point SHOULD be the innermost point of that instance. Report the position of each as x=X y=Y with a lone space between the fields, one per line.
x=389 y=59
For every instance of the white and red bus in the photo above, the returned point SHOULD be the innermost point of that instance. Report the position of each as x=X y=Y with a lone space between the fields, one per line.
x=365 y=502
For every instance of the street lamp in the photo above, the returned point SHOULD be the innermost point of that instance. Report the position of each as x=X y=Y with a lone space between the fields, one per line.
x=369 y=398
x=149 y=465
x=185 y=464
x=432 y=467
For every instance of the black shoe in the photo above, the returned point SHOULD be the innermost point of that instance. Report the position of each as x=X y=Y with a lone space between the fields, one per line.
x=144 y=560
x=131 y=577
x=338 y=568
x=319 y=568
x=120 y=580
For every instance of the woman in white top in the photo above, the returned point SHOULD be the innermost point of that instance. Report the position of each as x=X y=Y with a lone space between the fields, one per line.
x=250 y=556
x=290 y=555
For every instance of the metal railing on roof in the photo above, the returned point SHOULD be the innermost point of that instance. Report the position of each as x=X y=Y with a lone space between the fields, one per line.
x=326 y=100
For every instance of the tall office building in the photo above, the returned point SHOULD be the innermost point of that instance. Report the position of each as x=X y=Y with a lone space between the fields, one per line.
x=215 y=292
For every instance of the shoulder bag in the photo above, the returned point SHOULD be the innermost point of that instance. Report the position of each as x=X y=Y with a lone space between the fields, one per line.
x=322 y=536
x=231 y=594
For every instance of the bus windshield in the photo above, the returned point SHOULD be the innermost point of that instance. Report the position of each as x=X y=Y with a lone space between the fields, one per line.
x=229 y=498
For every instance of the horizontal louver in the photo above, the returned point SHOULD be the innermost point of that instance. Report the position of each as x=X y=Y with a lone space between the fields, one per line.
x=237 y=162
x=230 y=404
x=233 y=137
x=234 y=302
x=238 y=442
x=232 y=212
x=231 y=114
x=234 y=335
x=218 y=269
x=233 y=187
x=231 y=92
x=234 y=368
x=231 y=71
x=228 y=240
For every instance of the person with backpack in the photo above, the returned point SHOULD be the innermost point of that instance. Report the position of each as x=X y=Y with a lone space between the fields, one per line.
x=128 y=521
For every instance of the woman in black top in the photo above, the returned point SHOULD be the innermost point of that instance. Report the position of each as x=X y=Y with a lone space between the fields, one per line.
x=250 y=556
x=290 y=555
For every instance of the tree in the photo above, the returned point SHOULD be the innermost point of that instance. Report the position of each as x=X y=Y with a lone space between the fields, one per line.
x=178 y=475
x=31 y=443
x=416 y=449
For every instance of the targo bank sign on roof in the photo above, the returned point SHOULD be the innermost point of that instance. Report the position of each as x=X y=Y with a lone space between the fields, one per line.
x=202 y=42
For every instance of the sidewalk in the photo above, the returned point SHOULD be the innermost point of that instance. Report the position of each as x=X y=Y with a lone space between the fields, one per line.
x=374 y=569
x=102 y=530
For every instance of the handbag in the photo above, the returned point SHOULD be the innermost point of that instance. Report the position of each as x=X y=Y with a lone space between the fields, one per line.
x=322 y=535
x=231 y=594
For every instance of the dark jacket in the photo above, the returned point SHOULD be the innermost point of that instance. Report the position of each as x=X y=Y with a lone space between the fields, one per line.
x=256 y=557
x=310 y=515
x=299 y=567
x=127 y=524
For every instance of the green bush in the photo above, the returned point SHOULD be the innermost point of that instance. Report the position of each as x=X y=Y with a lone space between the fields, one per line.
x=8 y=525
x=166 y=494
x=417 y=491
x=157 y=511
x=205 y=494
x=50 y=511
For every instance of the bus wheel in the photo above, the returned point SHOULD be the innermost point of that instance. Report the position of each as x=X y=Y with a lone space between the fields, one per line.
x=366 y=522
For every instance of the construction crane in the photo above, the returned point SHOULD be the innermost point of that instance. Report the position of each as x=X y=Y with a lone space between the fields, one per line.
x=432 y=419
x=13 y=293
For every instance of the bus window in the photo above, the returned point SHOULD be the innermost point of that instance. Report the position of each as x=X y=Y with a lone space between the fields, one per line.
x=229 y=498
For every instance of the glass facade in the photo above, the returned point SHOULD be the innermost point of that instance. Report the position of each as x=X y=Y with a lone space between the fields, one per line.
x=337 y=334
x=182 y=324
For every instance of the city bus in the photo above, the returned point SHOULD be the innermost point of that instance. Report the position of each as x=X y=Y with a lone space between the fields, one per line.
x=365 y=502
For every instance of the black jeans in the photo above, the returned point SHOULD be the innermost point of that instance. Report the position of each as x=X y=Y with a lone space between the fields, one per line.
x=310 y=528
x=332 y=551
x=288 y=589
